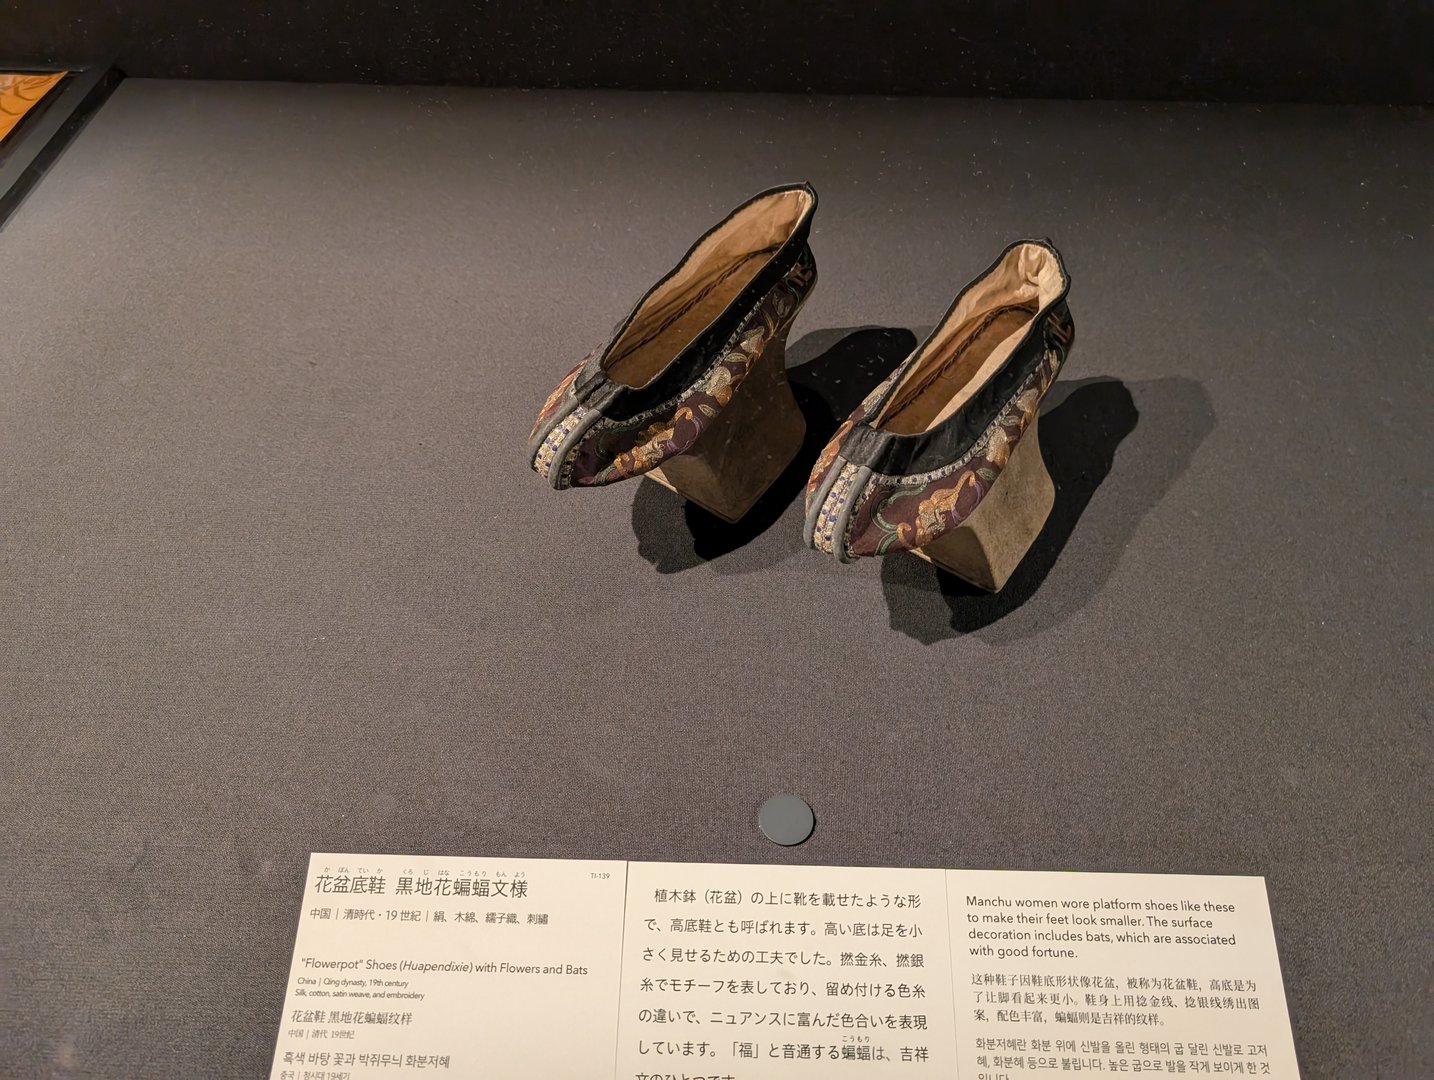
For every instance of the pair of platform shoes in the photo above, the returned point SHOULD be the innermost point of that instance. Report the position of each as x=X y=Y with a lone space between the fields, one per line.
x=941 y=459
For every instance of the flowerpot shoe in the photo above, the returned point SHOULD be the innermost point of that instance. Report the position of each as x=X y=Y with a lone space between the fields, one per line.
x=942 y=458
x=691 y=389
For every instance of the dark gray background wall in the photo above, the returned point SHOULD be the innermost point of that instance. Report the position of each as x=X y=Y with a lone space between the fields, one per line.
x=1372 y=52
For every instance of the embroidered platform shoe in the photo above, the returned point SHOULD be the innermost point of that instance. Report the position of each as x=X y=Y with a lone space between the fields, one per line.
x=942 y=458
x=691 y=389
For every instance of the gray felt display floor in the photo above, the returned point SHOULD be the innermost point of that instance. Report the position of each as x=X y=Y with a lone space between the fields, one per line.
x=278 y=578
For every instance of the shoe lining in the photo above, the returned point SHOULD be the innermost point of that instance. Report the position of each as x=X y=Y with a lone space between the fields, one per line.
x=973 y=341
x=687 y=301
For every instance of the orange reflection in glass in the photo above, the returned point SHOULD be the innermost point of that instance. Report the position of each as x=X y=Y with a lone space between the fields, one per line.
x=19 y=92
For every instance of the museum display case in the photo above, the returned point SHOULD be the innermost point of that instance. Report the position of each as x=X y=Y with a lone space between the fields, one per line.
x=1104 y=566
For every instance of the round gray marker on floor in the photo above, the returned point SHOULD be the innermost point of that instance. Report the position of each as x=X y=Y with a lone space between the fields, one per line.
x=786 y=820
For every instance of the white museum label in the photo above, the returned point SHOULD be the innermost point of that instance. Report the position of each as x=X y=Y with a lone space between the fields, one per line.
x=423 y=965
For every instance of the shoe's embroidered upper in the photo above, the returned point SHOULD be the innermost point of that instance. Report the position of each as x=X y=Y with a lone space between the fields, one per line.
x=874 y=491
x=612 y=450
x=594 y=429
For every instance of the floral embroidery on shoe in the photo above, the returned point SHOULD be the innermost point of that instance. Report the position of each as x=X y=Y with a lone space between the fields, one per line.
x=898 y=513
x=612 y=450
x=550 y=407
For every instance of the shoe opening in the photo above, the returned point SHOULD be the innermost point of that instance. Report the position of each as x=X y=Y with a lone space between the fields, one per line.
x=980 y=332
x=704 y=284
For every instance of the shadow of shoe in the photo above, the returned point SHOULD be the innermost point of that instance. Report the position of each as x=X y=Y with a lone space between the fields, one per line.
x=1081 y=427
x=830 y=372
